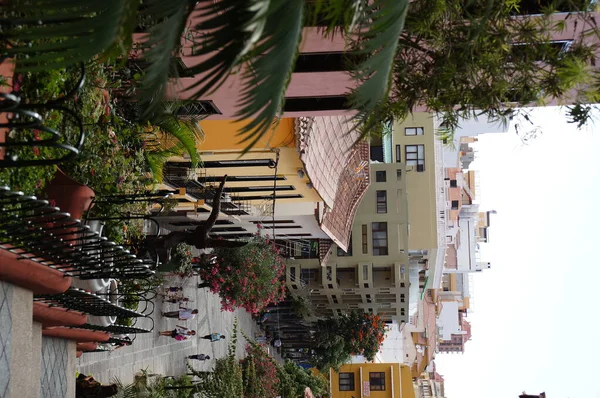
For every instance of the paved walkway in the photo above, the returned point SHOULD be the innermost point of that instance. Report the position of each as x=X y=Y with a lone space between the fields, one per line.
x=164 y=355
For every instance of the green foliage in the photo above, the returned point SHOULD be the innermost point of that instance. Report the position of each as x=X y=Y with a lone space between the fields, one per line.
x=226 y=379
x=146 y=386
x=260 y=373
x=258 y=36
x=463 y=58
x=180 y=260
x=80 y=30
x=337 y=339
x=293 y=380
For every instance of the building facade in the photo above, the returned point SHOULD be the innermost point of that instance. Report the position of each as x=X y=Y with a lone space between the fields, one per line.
x=377 y=380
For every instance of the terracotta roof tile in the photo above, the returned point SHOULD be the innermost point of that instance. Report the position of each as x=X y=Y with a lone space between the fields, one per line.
x=338 y=170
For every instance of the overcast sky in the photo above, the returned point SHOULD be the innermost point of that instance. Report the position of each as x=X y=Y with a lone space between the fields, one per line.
x=536 y=319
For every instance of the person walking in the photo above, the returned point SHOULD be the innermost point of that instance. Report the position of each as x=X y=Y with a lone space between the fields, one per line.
x=180 y=333
x=199 y=357
x=183 y=314
x=177 y=300
x=214 y=337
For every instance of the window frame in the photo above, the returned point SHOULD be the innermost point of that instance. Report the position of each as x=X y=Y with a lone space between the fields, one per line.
x=381 y=201
x=348 y=386
x=379 y=385
x=365 y=238
x=413 y=131
x=380 y=238
x=415 y=156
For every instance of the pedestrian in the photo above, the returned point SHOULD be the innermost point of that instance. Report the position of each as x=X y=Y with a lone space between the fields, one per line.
x=177 y=300
x=183 y=314
x=171 y=289
x=179 y=333
x=214 y=337
x=199 y=357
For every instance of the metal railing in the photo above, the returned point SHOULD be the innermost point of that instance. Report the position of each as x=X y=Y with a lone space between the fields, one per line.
x=87 y=303
x=23 y=117
x=34 y=230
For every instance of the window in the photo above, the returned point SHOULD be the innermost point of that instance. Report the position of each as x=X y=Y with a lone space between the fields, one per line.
x=453 y=184
x=413 y=131
x=525 y=51
x=365 y=247
x=180 y=70
x=381 y=201
x=376 y=153
x=325 y=103
x=415 y=156
x=398 y=153
x=197 y=108
x=380 y=176
x=210 y=164
x=455 y=205
x=380 y=238
x=255 y=188
x=341 y=253
x=346 y=381
x=377 y=381
x=399 y=175
x=326 y=62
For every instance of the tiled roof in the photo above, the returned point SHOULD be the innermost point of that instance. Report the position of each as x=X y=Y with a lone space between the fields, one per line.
x=466 y=327
x=337 y=169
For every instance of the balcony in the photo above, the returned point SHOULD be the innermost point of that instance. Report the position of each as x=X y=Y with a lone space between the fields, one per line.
x=329 y=277
x=365 y=275
x=347 y=278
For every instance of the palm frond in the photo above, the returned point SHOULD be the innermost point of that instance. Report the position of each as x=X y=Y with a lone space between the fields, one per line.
x=63 y=32
x=230 y=29
x=187 y=134
x=156 y=161
x=335 y=16
x=380 y=41
x=159 y=46
x=268 y=76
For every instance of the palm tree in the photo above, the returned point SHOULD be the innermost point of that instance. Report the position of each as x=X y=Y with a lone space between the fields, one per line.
x=263 y=35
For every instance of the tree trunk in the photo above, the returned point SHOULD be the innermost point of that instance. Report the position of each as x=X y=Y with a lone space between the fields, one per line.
x=199 y=236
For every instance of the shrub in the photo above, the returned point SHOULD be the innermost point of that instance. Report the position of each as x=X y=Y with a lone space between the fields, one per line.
x=249 y=277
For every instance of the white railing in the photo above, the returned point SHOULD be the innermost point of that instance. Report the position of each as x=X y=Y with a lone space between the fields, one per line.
x=440 y=193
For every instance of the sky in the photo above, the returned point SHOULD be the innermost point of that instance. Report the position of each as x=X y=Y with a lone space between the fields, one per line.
x=536 y=320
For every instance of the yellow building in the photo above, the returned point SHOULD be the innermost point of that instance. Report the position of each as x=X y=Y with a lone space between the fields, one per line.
x=301 y=182
x=271 y=165
x=377 y=380
x=398 y=235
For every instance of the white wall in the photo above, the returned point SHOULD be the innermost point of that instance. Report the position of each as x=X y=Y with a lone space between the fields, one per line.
x=447 y=322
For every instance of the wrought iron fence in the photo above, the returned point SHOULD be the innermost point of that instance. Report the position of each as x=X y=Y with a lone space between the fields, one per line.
x=34 y=230
x=23 y=116
x=87 y=303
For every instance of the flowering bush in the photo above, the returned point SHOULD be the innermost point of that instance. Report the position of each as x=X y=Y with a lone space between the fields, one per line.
x=337 y=339
x=248 y=277
x=260 y=373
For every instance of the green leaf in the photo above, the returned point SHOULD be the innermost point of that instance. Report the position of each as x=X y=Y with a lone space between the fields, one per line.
x=269 y=74
x=380 y=41
x=230 y=29
x=62 y=32
x=187 y=133
x=159 y=47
